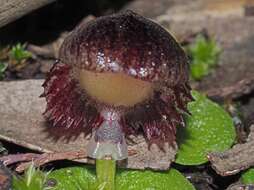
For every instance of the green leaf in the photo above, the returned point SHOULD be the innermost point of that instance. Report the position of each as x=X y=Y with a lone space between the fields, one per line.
x=74 y=178
x=248 y=177
x=3 y=67
x=204 y=54
x=80 y=178
x=19 y=53
x=208 y=129
x=151 y=180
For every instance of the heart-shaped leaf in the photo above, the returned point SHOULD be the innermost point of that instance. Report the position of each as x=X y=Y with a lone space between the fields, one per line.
x=209 y=128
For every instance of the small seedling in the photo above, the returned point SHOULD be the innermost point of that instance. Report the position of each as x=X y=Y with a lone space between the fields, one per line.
x=33 y=179
x=204 y=54
x=19 y=53
x=3 y=67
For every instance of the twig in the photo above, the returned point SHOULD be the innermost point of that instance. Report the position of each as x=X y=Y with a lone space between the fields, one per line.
x=49 y=157
x=46 y=52
x=11 y=10
x=15 y=158
x=25 y=144
x=40 y=159
x=238 y=158
x=234 y=91
x=239 y=186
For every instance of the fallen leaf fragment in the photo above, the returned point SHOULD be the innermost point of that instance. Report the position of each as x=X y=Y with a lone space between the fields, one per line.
x=238 y=158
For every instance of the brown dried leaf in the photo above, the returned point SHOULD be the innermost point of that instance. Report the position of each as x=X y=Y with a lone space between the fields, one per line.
x=21 y=122
x=239 y=186
x=238 y=158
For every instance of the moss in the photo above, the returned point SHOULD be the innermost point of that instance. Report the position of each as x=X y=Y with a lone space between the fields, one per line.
x=204 y=54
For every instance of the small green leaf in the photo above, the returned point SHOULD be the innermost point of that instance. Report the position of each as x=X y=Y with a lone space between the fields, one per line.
x=19 y=53
x=248 y=177
x=208 y=129
x=3 y=67
x=33 y=179
x=74 y=178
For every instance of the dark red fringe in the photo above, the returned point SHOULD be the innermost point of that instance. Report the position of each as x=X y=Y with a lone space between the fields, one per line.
x=160 y=117
x=69 y=113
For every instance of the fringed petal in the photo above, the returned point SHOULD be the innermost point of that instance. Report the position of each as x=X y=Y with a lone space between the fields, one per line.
x=68 y=112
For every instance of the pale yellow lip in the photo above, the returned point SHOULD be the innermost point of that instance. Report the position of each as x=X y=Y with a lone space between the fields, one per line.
x=115 y=88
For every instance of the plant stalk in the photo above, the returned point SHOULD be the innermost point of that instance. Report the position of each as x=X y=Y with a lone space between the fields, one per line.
x=105 y=171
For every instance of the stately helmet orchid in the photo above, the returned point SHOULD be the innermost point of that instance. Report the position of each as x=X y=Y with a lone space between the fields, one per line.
x=116 y=76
